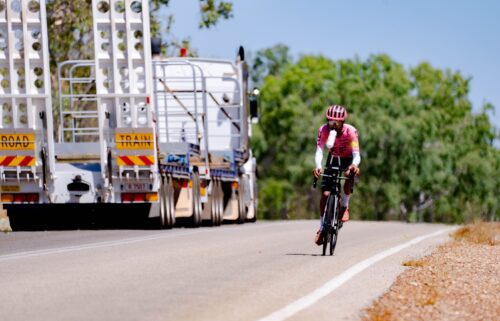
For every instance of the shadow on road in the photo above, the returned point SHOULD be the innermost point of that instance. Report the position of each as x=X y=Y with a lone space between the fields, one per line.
x=79 y=216
x=304 y=254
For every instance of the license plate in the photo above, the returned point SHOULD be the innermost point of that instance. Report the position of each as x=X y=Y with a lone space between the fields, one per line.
x=10 y=188
x=136 y=187
x=134 y=141
x=17 y=141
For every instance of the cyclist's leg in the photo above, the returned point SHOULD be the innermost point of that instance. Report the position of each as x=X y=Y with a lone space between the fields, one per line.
x=325 y=183
x=318 y=239
x=346 y=191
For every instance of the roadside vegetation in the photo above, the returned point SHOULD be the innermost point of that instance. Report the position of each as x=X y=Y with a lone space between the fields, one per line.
x=458 y=281
x=425 y=155
x=479 y=233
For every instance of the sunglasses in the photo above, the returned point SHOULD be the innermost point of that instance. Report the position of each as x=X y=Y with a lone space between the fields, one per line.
x=337 y=123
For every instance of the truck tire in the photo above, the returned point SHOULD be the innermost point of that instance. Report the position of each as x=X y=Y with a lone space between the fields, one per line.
x=242 y=209
x=164 y=217
x=170 y=201
x=196 y=217
x=219 y=202
x=215 y=206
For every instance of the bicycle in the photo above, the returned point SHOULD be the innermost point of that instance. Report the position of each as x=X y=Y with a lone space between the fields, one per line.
x=332 y=222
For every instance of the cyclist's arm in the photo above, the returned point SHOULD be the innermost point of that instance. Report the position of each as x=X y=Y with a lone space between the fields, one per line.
x=356 y=158
x=318 y=157
x=320 y=144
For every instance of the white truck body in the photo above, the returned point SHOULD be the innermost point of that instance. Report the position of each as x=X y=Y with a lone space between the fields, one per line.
x=105 y=152
x=218 y=89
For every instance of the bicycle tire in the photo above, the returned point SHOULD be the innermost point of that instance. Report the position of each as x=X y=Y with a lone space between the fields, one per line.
x=327 y=225
x=335 y=227
x=333 y=241
x=325 y=241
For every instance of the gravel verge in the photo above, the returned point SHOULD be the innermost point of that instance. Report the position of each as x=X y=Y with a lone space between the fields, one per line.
x=460 y=280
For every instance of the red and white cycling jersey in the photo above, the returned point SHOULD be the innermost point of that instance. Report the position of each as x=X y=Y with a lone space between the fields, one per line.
x=345 y=144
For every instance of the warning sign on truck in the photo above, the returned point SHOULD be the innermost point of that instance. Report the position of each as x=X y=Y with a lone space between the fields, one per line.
x=134 y=141
x=17 y=141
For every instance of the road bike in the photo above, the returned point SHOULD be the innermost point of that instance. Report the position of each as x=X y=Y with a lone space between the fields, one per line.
x=332 y=222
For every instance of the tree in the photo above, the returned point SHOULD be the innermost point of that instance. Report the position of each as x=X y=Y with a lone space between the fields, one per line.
x=270 y=62
x=424 y=154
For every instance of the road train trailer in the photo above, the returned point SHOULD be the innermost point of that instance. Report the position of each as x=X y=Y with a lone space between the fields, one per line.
x=130 y=128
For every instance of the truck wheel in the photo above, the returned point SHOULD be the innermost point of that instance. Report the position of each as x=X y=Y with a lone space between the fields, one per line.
x=242 y=210
x=170 y=202
x=214 y=209
x=220 y=202
x=163 y=212
x=196 y=217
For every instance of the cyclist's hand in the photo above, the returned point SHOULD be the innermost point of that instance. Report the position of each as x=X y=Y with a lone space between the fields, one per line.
x=352 y=169
x=317 y=172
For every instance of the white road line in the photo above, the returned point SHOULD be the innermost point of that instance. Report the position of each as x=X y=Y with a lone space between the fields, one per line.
x=330 y=286
x=97 y=245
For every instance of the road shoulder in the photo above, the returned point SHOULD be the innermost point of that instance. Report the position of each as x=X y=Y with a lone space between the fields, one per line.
x=458 y=281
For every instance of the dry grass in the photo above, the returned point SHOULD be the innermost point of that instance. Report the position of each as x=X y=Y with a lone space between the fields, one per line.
x=384 y=315
x=414 y=263
x=429 y=296
x=480 y=233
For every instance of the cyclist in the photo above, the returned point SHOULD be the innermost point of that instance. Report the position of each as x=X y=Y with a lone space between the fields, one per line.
x=347 y=147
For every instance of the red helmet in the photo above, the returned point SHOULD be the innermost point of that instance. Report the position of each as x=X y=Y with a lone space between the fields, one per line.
x=336 y=112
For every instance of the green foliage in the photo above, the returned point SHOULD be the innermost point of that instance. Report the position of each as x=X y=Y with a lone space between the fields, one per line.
x=270 y=61
x=212 y=11
x=424 y=154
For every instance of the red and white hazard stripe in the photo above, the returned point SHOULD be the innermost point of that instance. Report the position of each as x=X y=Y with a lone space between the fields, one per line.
x=17 y=161
x=130 y=160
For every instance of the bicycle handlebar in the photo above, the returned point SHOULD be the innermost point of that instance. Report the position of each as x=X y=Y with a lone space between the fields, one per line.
x=350 y=178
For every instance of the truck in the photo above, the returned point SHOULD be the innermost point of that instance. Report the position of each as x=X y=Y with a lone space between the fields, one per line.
x=218 y=89
x=131 y=129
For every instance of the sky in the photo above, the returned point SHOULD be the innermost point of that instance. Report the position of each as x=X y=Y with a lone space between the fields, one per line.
x=462 y=35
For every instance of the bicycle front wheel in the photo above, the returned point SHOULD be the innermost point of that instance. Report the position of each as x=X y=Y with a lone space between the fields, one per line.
x=333 y=240
x=326 y=239
x=335 y=227
x=328 y=222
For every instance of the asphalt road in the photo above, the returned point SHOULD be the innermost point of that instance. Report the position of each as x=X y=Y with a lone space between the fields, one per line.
x=233 y=272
